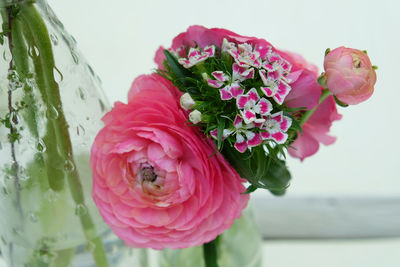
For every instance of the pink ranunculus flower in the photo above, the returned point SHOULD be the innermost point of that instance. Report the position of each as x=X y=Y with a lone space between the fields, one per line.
x=154 y=181
x=305 y=93
x=349 y=75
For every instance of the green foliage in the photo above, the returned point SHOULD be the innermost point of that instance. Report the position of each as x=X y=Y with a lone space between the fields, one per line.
x=261 y=170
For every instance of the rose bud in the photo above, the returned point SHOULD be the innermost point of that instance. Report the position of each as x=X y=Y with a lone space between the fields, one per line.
x=349 y=75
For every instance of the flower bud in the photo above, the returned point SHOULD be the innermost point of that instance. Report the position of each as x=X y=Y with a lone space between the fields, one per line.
x=187 y=101
x=349 y=74
x=195 y=116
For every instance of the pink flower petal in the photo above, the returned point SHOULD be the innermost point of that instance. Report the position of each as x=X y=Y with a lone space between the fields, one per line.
x=286 y=123
x=236 y=90
x=283 y=91
x=253 y=95
x=277 y=116
x=220 y=76
x=279 y=137
x=241 y=101
x=225 y=94
x=254 y=141
x=241 y=147
x=193 y=52
x=265 y=135
x=209 y=50
x=265 y=107
x=238 y=122
x=248 y=116
x=214 y=83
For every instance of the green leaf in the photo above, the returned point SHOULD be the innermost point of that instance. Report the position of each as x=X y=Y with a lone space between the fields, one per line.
x=250 y=189
x=277 y=177
x=220 y=128
x=179 y=71
x=262 y=171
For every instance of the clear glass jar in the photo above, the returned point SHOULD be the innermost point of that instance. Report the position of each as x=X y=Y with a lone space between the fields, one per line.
x=51 y=104
x=240 y=246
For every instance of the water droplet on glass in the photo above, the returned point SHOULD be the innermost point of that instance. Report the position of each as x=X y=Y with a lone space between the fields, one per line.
x=69 y=166
x=51 y=195
x=81 y=93
x=58 y=77
x=33 y=218
x=33 y=51
x=54 y=39
x=81 y=210
x=17 y=231
x=90 y=70
x=41 y=146
x=102 y=106
x=1 y=146
x=75 y=57
x=80 y=130
x=90 y=246
x=52 y=113
x=7 y=55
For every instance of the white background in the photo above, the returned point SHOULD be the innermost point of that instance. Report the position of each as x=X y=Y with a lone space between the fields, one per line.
x=119 y=39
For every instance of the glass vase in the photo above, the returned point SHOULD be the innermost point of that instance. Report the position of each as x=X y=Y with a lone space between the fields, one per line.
x=240 y=246
x=51 y=104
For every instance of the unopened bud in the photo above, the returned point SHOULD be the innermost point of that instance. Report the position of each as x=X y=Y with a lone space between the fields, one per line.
x=195 y=116
x=187 y=101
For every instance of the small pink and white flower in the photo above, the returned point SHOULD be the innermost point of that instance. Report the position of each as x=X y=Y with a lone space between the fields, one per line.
x=275 y=128
x=241 y=73
x=244 y=54
x=195 y=56
x=251 y=104
x=220 y=78
x=278 y=89
x=229 y=91
x=245 y=135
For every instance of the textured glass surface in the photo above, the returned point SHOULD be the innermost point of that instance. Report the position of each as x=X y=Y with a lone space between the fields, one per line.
x=240 y=246
x=51 y=104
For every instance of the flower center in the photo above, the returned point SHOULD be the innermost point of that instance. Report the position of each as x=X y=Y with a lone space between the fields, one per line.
x=147 y=174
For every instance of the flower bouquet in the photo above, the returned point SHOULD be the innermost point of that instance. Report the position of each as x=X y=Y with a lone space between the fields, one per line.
x=174 y=167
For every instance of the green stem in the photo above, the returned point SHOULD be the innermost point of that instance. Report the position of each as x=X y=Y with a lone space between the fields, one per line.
x=210 y=253
x=57 y=135
x=13 y=130
x=325 y=94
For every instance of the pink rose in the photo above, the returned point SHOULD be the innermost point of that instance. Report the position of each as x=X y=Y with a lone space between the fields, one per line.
x=316 y=130
x=154 y=181
x=305 y=93
x=349 y=75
